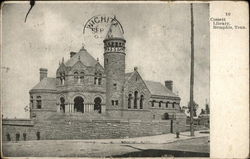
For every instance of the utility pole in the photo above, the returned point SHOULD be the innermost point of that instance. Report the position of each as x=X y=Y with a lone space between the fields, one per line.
x=192 y=76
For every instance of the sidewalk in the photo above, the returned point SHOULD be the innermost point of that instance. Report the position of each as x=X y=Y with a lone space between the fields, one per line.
x=157 y=139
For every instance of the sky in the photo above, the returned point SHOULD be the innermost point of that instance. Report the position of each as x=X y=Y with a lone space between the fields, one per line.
x=157 y=42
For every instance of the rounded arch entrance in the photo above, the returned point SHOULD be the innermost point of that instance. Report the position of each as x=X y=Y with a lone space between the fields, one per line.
x=79 y=104
x=97 y=104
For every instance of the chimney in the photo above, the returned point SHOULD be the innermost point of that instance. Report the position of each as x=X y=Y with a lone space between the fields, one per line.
x=169 y=85
x=72 y=54
x=43 y=73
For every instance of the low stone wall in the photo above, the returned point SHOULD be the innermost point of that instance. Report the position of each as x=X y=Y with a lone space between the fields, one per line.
x=85 y=129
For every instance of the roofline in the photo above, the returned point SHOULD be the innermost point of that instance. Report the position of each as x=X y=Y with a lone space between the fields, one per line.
x=115 y=38
x=165 y=97
x=42 y=91
x=166 y=88
x=114 y=53
x=140 y=77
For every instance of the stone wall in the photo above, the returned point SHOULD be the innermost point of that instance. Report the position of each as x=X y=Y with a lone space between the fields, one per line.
x=85 y=129
x=129 y=114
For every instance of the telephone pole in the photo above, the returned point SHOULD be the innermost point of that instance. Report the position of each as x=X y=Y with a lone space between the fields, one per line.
x=191 y=102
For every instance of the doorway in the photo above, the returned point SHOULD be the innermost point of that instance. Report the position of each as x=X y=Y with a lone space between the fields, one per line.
x=79 y=104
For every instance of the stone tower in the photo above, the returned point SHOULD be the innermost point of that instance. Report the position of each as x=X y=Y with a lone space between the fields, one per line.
x=114 y=65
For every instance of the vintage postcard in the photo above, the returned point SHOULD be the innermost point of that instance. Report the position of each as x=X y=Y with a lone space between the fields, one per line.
x=122 y=79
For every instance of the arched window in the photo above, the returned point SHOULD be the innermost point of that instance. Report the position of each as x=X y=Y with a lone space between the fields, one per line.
x=173 y=104
x=167 y=104
x=153 y=103
x=24 y=136
x=95 y=79
x=75 y=76
x=17 y=136
x=97 y=105
x=135 y=99
x=160 y=104
x=100 y=79
x=141 y=102
x=8 y=137
x=81 y=77
x=38 y=135
x=62 y=104
x=129 y=100
x=62 y=78
x=39 y=102
x=165 y=116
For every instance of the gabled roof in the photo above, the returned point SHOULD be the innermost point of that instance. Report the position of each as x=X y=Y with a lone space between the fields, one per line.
x=114 y=31
x=82 y=56
x=46 y=84
x=128 y=75
x=156 y=88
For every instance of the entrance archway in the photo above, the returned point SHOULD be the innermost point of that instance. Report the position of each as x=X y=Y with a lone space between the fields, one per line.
x=97 y=105
x=79 y=104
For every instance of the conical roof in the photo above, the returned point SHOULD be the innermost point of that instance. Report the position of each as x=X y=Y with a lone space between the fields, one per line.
x=115 y=30
x=82 y=56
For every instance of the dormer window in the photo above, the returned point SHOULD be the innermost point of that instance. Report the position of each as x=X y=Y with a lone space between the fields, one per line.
x=62 y=78
x=75 y=76
x=82 y=77
x=100 y=79
x=39 y=102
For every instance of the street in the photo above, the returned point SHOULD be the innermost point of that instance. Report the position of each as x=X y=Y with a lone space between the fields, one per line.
x=133 y=147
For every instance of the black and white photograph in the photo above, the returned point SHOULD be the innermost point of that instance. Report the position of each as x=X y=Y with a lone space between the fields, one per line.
x=105 y=79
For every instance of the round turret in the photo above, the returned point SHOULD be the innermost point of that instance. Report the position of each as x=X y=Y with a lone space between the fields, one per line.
x=114 y=65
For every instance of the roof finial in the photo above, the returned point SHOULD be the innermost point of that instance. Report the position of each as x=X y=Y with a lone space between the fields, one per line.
x=83 y=46
x=79 y=58
x=63 y=60
x=59 y=62
x=97 y=59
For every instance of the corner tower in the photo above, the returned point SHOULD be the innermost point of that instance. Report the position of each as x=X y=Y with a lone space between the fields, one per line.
x=114 y=65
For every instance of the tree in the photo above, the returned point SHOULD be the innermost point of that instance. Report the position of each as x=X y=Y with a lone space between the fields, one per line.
x=202 y=112
x=195 y=107
x=207 y=109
